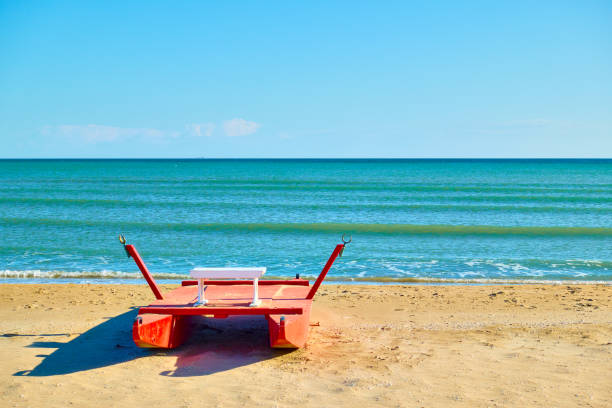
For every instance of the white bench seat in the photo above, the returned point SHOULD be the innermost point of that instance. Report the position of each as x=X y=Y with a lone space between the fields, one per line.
x=227 y=273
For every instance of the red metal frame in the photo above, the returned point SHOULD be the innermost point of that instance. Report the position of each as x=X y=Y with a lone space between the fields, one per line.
x=299 y=282
x=233 y=310
x=145 y=272
x=286 y=306
x=323 y=273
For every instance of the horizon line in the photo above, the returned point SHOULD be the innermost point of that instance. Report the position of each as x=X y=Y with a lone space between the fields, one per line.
x=305 y=158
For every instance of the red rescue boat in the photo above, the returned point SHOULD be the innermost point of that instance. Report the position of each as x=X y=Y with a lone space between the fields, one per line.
x=285 y=303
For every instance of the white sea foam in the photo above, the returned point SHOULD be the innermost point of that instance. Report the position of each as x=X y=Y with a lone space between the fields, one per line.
x=108 y=276
x=103 y=274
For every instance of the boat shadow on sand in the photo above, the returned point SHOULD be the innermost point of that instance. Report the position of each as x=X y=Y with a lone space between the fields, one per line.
x=214 y=345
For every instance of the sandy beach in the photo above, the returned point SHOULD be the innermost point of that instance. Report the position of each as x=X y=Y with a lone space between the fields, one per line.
x=396 y=346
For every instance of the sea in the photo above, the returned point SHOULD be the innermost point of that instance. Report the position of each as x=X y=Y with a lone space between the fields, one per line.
x=410 y=221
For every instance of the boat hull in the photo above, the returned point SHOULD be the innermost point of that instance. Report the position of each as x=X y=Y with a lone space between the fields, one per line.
x=286 y=305
x=170 y=331
x=288 y=331
x=165 y=323
x=159 y=330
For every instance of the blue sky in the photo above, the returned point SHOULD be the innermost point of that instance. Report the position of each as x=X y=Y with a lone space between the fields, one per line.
x=306 y=79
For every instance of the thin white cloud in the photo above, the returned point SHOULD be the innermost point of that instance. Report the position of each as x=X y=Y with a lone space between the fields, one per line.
x=200 y=129
x=102 y=133
x=105 y=134
x=239 y=127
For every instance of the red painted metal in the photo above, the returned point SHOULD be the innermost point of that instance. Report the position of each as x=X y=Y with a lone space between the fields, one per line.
x=159 y=330
x=323 y=273
x=227 y=301
x=288 y=331
x=301 y=282
x=227 y=311
x=285 y=304
x=145 y=272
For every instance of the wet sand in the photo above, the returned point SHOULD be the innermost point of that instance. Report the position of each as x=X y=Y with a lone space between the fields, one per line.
x=396 y=346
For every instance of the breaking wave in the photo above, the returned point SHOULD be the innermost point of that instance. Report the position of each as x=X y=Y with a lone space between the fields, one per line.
x=107 y=276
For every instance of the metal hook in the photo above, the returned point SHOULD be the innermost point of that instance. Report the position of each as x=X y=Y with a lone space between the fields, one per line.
x=123 y=241
x=344 y=243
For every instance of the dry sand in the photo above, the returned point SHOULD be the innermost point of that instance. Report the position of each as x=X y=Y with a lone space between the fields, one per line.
x=405 y=346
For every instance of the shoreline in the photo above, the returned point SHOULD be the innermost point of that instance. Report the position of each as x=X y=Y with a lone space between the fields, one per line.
x=384 y=345
x=374 y=281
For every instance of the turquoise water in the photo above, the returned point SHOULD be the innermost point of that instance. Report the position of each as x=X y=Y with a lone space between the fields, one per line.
x=415 y=220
